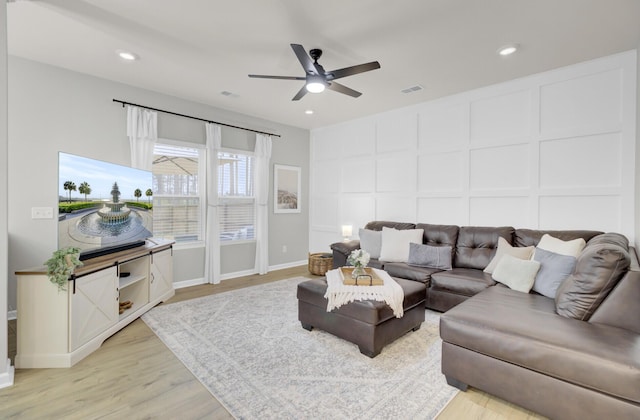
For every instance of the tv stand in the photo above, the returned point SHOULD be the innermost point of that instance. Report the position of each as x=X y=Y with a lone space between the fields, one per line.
x=59 y=328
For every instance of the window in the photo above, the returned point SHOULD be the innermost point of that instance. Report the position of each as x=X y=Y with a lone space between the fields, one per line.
x=235 y=197
x=178 y=192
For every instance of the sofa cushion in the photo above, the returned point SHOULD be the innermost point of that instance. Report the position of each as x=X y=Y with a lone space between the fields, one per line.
x=405 y=271
x=505 y=248
x=376 y=263
x=621 y=308
x=572 y=248
x=439 y=234
x=461 y=281
x=598 y=269
x=523 y=329
x=371 y=241
x=429 y=256
x=554 y=269
x=529 y=237
x=477 y=245
x=379 y=224
x=516 y=273
x=395 y=243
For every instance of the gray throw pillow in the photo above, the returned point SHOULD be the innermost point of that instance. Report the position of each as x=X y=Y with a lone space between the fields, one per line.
x=422 y=255
x=554 y=269
x=371 y=241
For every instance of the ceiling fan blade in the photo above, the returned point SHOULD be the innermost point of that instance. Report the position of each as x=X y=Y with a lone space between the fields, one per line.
x=337 y=87
x=305 y=60
x=261 y=76
x=300 y=93
x=350 y=71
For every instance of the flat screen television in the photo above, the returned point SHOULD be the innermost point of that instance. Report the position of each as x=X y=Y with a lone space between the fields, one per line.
x=102 y=207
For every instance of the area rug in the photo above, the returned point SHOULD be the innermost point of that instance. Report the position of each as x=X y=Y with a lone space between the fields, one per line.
x=248 y=348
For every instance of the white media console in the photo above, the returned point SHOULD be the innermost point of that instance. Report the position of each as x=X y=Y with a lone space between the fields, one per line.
x=60 y=328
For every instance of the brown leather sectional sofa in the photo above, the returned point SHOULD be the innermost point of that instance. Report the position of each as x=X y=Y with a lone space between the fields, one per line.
x=573 y=357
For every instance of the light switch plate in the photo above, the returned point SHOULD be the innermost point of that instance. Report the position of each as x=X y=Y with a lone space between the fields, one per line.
x=41 y=212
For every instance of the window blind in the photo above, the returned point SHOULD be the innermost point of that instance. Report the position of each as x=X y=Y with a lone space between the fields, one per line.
x=177 y=203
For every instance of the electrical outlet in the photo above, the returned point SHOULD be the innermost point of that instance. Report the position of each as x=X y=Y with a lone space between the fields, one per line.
x=41 y=212
x=284 y=249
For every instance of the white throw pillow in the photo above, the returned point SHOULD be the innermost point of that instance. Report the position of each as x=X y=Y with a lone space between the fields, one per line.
x=571 y=248
x=515 y=273
x=371 y=241
x=395 y=243
x=505 y=248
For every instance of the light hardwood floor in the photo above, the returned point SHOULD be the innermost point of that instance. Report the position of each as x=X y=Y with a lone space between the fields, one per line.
x=134 y=376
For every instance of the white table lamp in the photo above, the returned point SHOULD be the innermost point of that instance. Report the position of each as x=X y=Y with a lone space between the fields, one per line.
x=347 y=231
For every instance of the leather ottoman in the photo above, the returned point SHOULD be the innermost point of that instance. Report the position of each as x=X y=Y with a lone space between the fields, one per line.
x=369 y=324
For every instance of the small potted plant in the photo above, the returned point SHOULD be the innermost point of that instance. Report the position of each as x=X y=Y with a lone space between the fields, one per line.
x=359 y=259
x=61 y=265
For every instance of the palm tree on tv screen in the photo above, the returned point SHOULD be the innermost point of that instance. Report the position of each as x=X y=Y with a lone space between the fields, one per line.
x=148 y=193
x=85 y=189
x=69 y=186
x=137 y=194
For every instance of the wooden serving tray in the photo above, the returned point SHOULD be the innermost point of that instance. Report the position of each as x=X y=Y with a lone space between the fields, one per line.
x=370 y=279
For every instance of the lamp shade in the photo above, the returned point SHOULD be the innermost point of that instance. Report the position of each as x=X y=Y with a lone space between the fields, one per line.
x=347 y=231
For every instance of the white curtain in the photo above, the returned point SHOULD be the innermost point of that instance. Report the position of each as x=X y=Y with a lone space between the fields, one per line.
x=142 y=130
x=262 y=157
x=212 y=247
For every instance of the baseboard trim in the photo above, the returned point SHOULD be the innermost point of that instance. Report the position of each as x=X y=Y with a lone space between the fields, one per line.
x=236 y=274
x=288 y=265
x=188 y=283
x=229 y=276
x=6 y=378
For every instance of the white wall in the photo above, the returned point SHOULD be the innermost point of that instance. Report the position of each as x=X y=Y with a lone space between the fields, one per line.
x=52 y=109
x=6 y=370
x=637 y=191
x=554 y=150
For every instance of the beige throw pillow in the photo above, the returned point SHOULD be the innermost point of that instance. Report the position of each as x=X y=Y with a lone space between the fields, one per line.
x=505 y=248
x=515 y=273
x=571 y=248
x=395 y=243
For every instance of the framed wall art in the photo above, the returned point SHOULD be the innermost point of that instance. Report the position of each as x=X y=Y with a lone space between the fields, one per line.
x=286 y=188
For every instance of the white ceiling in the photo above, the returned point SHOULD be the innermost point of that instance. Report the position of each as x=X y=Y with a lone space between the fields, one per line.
x=196 y=49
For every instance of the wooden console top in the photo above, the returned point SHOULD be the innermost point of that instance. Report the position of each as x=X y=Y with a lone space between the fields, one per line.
x=98 y=263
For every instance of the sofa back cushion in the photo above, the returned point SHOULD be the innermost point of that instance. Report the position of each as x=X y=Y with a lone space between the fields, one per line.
x=600 y=266
x=528 y=237
x=439 y=235
x=379 y=224
x=477 y=245
x=621 y=308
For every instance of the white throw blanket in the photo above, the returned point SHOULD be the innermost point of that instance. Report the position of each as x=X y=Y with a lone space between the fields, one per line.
x=338 y=294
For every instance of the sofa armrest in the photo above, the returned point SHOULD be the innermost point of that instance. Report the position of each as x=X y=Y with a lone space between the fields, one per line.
x=341 y=251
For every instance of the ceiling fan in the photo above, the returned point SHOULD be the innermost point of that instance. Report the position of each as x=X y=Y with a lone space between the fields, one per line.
x=317 y=79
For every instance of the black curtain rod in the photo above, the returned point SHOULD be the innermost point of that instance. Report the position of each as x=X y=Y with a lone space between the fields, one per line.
x=195 y=118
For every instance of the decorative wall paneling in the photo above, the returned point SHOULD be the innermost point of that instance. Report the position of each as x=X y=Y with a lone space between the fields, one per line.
x=555 y=150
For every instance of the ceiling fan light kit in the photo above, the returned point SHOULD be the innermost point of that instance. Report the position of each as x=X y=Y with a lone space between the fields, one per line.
x=315 y=84
x=316 y=78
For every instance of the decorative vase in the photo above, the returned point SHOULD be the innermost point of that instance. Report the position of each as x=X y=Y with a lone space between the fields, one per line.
x=358 y=270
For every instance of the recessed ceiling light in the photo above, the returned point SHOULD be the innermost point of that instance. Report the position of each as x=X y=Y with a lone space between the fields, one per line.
x=508 y=49
x=309 y=111
x=127 y=55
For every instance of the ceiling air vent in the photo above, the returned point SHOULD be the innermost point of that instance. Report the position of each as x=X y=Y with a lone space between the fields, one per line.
x=412 y=89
